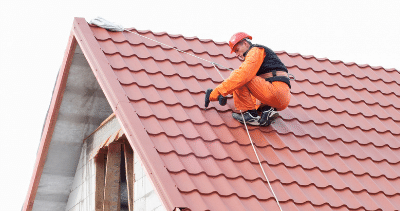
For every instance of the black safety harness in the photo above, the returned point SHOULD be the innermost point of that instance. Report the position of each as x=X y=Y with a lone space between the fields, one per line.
x=271 y=64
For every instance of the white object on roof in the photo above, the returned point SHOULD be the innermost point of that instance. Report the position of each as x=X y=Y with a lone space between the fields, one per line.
x=103 y=23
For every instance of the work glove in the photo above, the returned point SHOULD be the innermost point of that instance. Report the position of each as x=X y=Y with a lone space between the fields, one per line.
x=214 y=95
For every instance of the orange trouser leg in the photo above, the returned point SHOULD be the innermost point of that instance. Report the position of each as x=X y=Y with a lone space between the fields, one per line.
x=275 y=94
x=243 y=99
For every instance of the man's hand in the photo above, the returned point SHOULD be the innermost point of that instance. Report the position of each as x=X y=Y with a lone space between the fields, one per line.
x=214 y=95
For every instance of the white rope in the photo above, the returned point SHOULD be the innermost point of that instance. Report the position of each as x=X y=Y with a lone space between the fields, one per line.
x=255 y=152
x=259 y=162
x=218 y=71
x=213 y=63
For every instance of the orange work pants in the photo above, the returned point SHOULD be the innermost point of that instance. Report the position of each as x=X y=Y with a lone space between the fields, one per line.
x=258 y=91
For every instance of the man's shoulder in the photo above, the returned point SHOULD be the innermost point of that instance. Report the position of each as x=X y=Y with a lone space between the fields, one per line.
x=262 y=46
x=259 y=49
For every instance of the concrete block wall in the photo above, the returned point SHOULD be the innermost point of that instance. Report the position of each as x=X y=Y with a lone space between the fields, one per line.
x=145 y=197
x=82 y=193
x=82 y=196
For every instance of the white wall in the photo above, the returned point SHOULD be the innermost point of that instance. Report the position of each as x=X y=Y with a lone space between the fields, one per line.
x=145 y=198
x=82 y=193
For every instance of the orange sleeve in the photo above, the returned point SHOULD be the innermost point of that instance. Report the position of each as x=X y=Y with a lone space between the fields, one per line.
x=247 y=71
x=214 y=95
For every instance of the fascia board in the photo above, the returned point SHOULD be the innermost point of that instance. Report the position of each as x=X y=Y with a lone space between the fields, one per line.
x=127 y=116
x=50 y=123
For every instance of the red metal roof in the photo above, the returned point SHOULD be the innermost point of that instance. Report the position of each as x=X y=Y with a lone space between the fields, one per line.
x=336 y=147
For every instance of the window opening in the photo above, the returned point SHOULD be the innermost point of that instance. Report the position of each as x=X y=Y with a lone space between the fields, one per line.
x=114 y=177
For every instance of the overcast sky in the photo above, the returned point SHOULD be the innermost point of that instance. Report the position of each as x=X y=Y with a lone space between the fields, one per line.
x=34 y=37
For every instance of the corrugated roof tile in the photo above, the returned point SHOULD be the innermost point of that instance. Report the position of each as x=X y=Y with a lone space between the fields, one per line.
x=387 y=202
x=338 y=164
x=334 y=148
x=125 y=76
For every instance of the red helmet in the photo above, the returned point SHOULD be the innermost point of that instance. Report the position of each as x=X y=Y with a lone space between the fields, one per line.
x=237 y=37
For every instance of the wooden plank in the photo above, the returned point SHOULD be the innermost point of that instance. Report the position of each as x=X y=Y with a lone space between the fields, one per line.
x=130 y=173
x=111 y=190
x=100 y=171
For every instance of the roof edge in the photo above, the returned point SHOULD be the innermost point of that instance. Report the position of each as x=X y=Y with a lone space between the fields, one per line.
x=127 y=116
x=50 y=123
x=98 y=63
x=154 y=165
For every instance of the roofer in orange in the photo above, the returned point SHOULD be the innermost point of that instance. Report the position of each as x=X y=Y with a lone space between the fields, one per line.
x=261 y=84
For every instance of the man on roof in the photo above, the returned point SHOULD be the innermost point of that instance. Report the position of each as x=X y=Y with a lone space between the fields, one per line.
x=260 y=86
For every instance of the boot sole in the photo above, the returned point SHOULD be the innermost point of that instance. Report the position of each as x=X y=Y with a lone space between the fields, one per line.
x=254 y=122
x=271 y=120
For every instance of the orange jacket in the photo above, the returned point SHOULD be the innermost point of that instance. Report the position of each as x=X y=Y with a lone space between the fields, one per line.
x=239 y=77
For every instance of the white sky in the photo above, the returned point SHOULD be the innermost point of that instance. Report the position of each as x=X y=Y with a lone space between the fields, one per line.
x=34 y=36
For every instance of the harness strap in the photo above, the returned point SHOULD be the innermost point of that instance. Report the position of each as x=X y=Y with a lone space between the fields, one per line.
x=273 y=73
x=279 y=78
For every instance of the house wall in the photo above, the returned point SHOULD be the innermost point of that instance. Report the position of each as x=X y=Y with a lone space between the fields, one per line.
x=81 y=197
x=82 y=109
x=82 y=192
x=145 y=197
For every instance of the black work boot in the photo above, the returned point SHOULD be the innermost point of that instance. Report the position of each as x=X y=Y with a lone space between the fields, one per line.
x=251 y=117
x=268 y=115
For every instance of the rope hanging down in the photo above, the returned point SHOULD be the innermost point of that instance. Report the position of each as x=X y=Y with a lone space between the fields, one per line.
x=259 y=162
x=103 y=23
x=255 y=152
